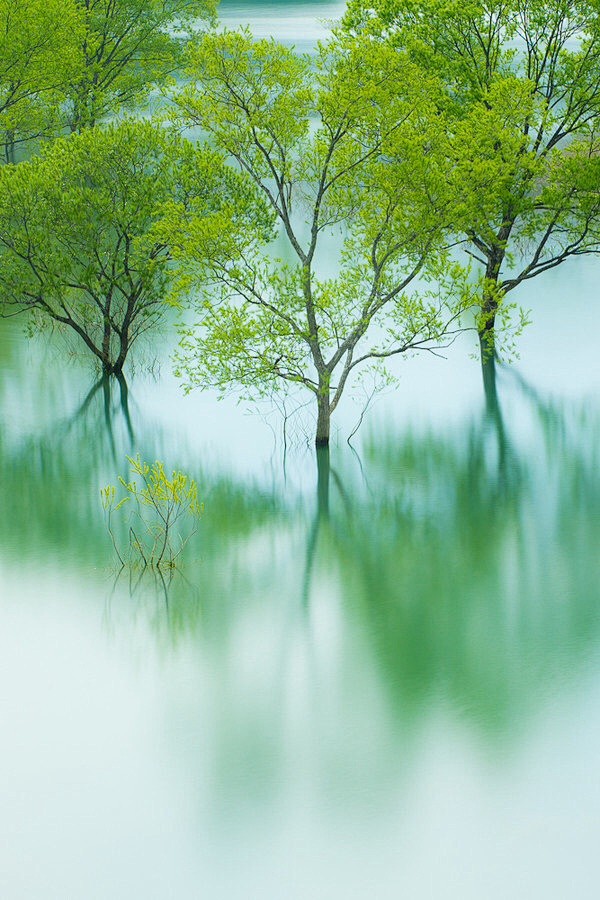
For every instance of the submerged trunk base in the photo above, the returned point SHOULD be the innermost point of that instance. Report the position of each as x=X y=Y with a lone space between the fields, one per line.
x=323 y=472
x=109 y=369
x=323 y=422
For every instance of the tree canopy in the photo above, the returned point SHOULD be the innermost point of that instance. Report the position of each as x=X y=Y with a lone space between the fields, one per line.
x=77 y=241
x=521 y=83
x=40 y=56
x=337 y=149
x=128 y=47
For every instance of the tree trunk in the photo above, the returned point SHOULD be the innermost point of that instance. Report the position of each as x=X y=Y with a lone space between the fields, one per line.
x=107 y=366
x=111 y=368
x=487 y=340
x=490 y=390
x=123 y=350
x=492 y=293
x=487 y=328
x=323 y=470
x=323 y=418
x=489 y=309
x=9 y=148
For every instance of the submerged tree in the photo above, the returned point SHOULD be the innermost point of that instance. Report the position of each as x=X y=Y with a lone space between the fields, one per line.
x=129 y=47
x=337 y=149
x=522 y=103
x=40 y=55
x=77 y=247
x=163 y=509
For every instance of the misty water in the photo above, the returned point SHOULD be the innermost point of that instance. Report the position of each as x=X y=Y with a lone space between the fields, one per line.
x=390 y=691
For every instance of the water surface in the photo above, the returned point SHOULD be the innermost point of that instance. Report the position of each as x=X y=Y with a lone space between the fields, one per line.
x=392 y=691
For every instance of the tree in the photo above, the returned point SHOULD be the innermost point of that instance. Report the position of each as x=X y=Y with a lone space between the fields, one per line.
x=337 y=150
x=77 y=247
x=522 y=103
x=39 y=56
x=129 y=46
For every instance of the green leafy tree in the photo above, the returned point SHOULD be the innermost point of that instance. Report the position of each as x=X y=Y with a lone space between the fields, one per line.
x=40 y=55
x=336 y=148
x=521 y=81
x=77 y=246
x=129 y=47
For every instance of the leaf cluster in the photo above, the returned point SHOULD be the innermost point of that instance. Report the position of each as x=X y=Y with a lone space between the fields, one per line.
x=164 y=511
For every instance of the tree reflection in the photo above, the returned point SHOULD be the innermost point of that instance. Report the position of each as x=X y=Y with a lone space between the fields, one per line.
x=50 y=493
x=459 y=570
x=472 y=563
x=467 y=580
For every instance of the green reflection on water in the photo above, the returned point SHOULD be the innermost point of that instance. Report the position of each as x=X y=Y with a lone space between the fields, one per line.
x=466 y=560
x=472 y=562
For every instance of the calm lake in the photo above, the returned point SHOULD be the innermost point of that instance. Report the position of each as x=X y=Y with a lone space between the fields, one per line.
x=392 y=692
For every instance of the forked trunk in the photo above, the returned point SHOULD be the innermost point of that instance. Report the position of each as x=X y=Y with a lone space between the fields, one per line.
x=112 y=368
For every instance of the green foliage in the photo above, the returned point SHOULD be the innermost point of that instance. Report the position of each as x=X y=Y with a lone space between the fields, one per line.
x=345 y=151
x=520 y=97
x=74 y=228
x=129 y=47
x=163 y=514
x=214 y=218
x=40 y=56
x=78 y=245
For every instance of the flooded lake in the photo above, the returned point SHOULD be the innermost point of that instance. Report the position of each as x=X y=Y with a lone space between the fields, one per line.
x=390 y=689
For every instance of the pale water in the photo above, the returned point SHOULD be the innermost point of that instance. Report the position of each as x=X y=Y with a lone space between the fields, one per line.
x=397 y=698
